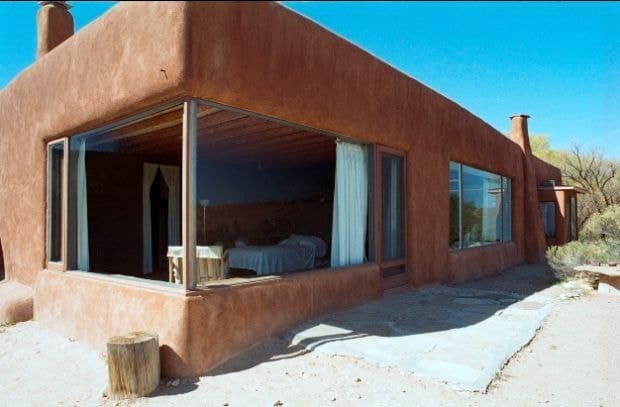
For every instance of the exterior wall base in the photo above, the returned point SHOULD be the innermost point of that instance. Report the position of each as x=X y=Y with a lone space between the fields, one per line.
x=202 y=329
x=483 y=261
x=15 y=302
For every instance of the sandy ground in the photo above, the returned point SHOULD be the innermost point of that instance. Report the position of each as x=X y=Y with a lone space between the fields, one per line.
x=573 y=360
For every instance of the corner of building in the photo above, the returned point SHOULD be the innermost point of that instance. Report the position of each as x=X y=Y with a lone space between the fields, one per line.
x=535 y=244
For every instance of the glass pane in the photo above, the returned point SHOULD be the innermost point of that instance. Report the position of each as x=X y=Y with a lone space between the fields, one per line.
x=264 y=197
x=392 y=207
x=54 y=201
x=125 y=197
x=547 y=214
x=455 y=202
x=506 y=209
x=572 y=218
x=481 y=212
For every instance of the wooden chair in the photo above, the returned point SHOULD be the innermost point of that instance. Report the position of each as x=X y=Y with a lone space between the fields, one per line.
x=175 y=264
x=211 y=264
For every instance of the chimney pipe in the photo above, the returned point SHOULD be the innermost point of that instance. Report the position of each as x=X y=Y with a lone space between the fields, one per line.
x=54 y=25
x=519 y=133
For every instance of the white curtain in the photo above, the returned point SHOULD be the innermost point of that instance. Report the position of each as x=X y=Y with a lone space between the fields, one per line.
x=350 y=205
x=171 y=176
x=148 y=176
x=82 y=210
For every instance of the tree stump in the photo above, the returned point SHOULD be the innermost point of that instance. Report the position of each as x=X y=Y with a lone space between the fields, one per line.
x=133 y=365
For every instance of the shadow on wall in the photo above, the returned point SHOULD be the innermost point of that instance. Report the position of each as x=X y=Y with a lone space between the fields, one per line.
x=1 y=262
x=411 y=313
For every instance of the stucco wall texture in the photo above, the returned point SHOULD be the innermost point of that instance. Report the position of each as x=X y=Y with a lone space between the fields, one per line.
x=200 y=331
x=267 y=59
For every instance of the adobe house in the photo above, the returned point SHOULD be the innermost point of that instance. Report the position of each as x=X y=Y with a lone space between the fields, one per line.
x=216 y=173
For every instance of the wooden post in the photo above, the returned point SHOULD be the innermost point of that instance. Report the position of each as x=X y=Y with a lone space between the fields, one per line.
x=188 y=213
x=133 y=365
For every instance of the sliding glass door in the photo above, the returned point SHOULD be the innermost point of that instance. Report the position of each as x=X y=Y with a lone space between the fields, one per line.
x=390 y=218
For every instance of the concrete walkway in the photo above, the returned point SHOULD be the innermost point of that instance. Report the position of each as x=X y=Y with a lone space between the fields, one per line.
x=461 y=335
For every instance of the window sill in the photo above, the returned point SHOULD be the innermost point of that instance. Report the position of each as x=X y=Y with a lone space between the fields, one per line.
x=131 y=281
x=482 y=246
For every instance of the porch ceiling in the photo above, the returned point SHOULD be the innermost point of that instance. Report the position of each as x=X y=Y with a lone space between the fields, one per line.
x=224 y=135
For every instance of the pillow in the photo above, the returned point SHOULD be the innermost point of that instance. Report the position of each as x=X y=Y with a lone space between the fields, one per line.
x=319 y=246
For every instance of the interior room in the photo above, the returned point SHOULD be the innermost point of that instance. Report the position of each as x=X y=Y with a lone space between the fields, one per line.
x=264 y=197
x=125 y=194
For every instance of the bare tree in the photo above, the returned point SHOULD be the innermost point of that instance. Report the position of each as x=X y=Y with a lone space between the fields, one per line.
x=596 y=175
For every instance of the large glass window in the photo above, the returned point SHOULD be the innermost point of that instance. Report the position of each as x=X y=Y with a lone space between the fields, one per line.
x=264 y=197
x=480 y=207
x=194 y=192
x=55 y=194
x=125 y=197
x=547 y=214
x=506 y=209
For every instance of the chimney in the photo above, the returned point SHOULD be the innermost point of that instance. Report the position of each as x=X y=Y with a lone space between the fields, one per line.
x=519 y=133
x=535 y=243
x=54 y=25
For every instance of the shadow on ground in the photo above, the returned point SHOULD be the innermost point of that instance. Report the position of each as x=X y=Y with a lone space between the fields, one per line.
x=407 y=318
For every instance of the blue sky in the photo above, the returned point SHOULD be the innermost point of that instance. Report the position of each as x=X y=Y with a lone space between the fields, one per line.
x=558 y=62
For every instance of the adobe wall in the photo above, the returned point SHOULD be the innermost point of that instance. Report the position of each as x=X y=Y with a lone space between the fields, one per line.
x=116 y=66
x=561 y=199
x=304 y=74
x=198 y=332
x=546 y=171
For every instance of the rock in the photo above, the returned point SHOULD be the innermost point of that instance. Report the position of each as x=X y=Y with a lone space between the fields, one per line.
x=278 y=403
x=358 y=380
x=175 y=382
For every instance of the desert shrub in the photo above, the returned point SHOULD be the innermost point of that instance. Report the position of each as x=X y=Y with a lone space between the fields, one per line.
x=563 y=259
x=607 y=222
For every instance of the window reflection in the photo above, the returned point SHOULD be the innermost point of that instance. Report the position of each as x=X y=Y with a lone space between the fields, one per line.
x=480 y=207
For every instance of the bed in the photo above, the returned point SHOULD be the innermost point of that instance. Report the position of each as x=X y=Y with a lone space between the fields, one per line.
x=297 y=252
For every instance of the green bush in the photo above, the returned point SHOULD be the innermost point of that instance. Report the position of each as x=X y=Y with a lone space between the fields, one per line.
x=563 y=259
x=607 y=222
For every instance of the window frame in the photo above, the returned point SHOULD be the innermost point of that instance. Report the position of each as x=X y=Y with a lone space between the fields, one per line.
x=62 y=264
x=555 y=223
x=503 y=181
x=379 y=151
x=189 y=188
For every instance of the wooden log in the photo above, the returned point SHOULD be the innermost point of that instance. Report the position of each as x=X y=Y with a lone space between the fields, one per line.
x=133 y=365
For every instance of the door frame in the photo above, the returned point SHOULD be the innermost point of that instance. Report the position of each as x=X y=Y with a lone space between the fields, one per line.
x=399 y=279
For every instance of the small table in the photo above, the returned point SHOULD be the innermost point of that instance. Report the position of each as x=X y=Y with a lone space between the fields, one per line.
x=211 y=264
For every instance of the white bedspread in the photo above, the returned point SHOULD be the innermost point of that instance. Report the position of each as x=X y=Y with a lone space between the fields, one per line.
x=271 y=259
